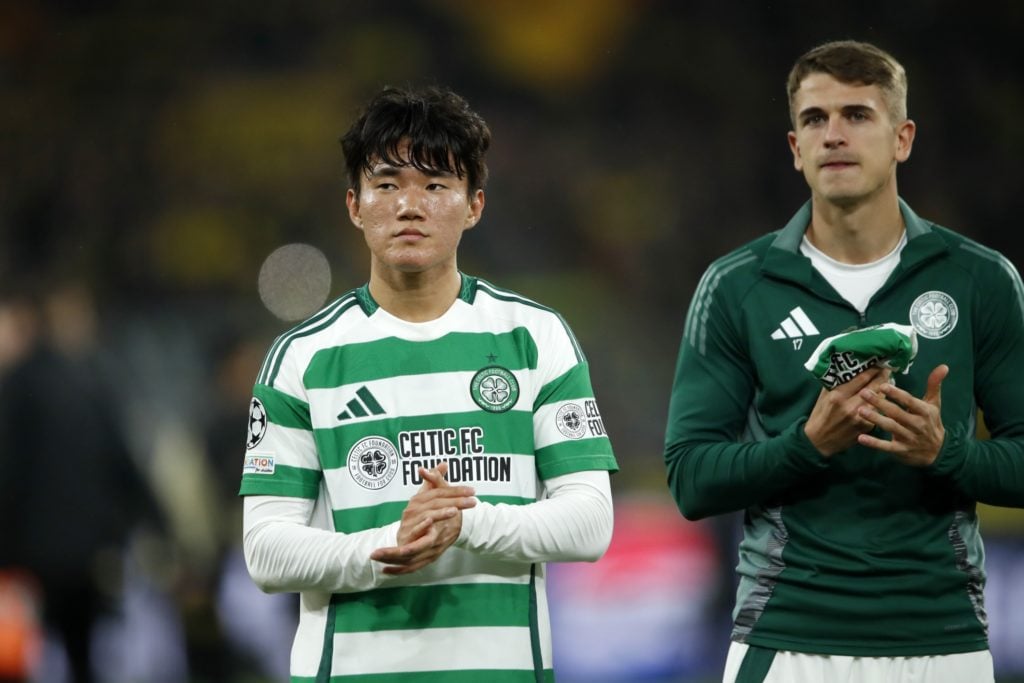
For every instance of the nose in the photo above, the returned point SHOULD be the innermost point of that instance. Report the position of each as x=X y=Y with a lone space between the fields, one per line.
x=411 y=205
x=835 y=135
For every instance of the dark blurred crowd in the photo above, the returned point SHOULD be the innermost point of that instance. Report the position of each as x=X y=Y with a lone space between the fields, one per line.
x=106 y=548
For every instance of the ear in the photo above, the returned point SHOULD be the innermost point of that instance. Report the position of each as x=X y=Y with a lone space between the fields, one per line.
x=352 y=202
x=476 y=209
x=794 y=147
x=905 y=139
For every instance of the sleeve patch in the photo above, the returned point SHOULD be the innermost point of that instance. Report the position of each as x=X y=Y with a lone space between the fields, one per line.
x=258 y=464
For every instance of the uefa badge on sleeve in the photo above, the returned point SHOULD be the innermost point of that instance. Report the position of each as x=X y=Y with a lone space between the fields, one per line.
x=257 y=423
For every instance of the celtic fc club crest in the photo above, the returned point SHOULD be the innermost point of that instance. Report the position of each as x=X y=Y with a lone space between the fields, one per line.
x=494 y=389
x=934 y=314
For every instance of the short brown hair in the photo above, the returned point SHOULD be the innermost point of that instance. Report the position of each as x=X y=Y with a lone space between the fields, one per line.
x=853 y=62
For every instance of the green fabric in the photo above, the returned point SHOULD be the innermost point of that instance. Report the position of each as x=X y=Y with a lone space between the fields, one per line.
x=755 y=665
x=855 y=554
x=841 y=357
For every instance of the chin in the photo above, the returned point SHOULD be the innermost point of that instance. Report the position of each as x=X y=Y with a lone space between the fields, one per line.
x=841 y=197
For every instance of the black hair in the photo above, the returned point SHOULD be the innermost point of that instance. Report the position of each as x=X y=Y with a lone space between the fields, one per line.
x=442 y=132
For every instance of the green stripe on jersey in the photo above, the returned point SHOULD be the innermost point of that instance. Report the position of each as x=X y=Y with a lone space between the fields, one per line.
x=437 y=606
x=572 y=384
x=454 y=352
x=510 y=433
x=589 y=454
x=282 y=409
x=472 y=676
x=352 y=520
x=294 y=482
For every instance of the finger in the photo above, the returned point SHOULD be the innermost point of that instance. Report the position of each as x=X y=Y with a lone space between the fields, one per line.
x=442 y=514
x=884 y=378
x=415 y=531
x=405 y=553
x=905 y=400
x=435 y=476
x=859 y=382
x=877 y=444
x=933 y=394
x=878 y=398
x=899 y=430
x=443 y=496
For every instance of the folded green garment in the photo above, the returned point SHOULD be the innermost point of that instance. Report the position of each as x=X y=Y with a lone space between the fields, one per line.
x=839 y=359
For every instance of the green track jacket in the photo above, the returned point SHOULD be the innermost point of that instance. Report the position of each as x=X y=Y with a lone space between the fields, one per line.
x=857 y=554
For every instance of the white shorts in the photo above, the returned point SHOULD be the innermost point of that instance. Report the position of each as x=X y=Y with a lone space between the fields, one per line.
x=800 y=667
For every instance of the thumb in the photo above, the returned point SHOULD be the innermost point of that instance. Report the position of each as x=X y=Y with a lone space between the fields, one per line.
x=933 y=394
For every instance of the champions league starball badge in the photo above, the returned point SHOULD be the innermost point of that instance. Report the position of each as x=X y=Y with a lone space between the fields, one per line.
x=257 y=423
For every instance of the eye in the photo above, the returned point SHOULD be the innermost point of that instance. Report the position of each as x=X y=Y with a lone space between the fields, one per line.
x=434 y=187
x=385 y=186
x=814 y=119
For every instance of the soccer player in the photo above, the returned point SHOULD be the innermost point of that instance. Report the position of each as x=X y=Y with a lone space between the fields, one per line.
x=861 y=558
x=423 y=445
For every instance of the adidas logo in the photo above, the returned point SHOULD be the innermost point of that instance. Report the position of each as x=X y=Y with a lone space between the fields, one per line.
x=364 y=404
x=795 y=326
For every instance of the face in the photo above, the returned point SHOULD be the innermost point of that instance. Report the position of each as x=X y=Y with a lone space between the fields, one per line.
x=413 y=221
x=845 y=143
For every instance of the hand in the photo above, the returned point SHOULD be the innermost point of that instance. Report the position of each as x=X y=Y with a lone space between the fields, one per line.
x=836 y=421
x=430 y=523
x=914 y=423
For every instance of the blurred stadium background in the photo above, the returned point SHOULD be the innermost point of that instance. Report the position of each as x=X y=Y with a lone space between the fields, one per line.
x=172 y=197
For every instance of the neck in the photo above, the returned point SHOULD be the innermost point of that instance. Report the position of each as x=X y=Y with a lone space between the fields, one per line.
x=415 y=297
x=857 y=234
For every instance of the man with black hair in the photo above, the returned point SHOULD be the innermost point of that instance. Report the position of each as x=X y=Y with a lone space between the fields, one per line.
x=424 y=444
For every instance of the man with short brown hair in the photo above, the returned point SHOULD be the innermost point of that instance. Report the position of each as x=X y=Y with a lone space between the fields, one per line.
x=861 y=557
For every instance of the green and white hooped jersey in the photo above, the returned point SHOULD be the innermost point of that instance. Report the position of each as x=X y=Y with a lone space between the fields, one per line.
x=351 y=402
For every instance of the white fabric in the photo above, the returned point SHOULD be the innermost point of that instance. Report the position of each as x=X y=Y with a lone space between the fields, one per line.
x=359 y=654
x=798 y=667
x=284 y=553
x=574 y=524
x=855 y=283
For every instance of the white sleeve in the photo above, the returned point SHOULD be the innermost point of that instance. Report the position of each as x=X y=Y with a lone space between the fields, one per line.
x=573 y=524
x=283 y=553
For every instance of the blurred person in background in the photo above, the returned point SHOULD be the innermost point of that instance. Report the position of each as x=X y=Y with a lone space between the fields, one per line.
x=861 y=558
x=70 y=493
x=232 y=630
x=363 y=414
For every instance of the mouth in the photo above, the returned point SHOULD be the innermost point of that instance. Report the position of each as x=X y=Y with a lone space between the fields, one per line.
x=837 y=164
x=410 y=234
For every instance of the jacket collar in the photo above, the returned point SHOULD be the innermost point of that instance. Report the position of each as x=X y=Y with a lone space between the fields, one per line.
x=784 y=259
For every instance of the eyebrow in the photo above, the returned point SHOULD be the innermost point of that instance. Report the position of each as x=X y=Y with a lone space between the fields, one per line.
x=390 y=171
x=846 y=110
